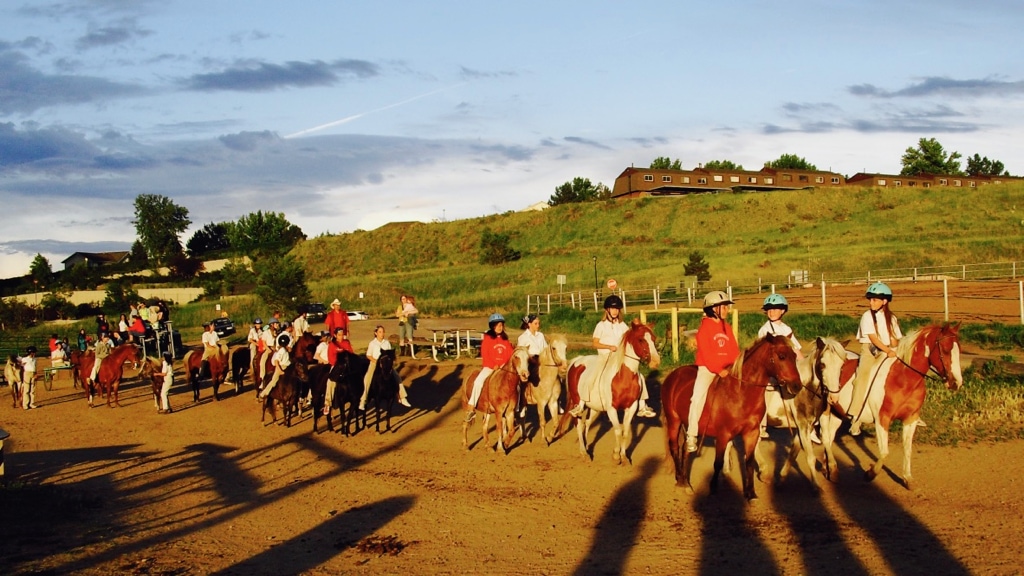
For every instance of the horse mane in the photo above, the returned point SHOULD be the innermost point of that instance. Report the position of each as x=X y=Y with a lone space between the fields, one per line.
x=755 y=348
x=907 y=344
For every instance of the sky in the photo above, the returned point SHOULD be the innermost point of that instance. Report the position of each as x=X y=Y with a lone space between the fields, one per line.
x=349 y=115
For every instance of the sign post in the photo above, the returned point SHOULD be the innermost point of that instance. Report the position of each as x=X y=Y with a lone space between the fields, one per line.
x=612 y=284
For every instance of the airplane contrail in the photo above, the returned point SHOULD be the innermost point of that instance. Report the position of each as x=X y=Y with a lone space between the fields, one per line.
x=361 y=114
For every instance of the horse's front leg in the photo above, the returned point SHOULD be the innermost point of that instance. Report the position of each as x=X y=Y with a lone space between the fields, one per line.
x=627 y=432
x=553 y=410
x=908 y=445
x=750 y=443
x=584 y=434
x=613 y=416
x=720 y=450
x=882 y=436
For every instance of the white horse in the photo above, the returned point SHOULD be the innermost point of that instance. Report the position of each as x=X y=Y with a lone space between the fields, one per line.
x=544 y=390
x=613 y=382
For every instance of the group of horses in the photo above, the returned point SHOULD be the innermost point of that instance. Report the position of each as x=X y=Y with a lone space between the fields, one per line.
x=736 y=404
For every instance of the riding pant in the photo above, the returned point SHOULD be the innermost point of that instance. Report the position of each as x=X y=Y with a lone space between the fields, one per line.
x=478 y=386
x=700 y=395
x=369 y=378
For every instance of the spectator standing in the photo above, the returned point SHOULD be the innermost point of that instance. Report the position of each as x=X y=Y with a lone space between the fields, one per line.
x=167 y=373
x=336 y=318
x=28 y=391
x=301 y=324
x=83 y=341
x=407 y=319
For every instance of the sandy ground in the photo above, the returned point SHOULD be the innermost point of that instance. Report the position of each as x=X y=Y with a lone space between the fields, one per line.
x=209 y=489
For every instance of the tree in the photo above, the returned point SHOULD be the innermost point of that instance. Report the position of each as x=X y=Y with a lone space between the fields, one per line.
x=138 y=260
x=697 y=266
x=263 y=234
x=40 y=271
x=930 y=158
x=56 y=306
x=282 y=284
x=579 y=190
x=209 y=238
x=978 y=166
x=666 y=163
x=495 y=248
x=722 y=165
x=119 y=296
x=790 y=162
x=158 y=222
x=184 y=267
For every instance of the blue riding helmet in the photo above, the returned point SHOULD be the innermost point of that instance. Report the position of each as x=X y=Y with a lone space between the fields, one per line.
x=879 y=290
x=257 y=321
x=495 y=318
x=775 y=302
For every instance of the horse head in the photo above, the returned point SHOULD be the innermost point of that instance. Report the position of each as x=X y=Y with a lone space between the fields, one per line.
x=520 y=363
x=942 y=347
x=386 y=363
x=770 y=357
x=556 y=348
x=640 y=337
x=828 y=359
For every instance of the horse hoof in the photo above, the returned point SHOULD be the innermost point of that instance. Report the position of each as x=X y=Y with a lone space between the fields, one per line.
x=870 y=475
x=689 y=490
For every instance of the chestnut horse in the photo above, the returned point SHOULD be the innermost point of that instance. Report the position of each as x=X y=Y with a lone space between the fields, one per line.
x=613 y=381
x=193 y=364
x=499 y=396
x=544 y=387
x=896 y=389
x=111 y=371
x=149 y=369
x=735 y=406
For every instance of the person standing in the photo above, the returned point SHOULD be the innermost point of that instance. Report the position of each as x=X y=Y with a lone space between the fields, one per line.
x=83 y=340
x=408 y=318
x=336 y=318
x=717 y=350
x=28 y=379
x=373 y=350
x=300 y=324
x=167 y=373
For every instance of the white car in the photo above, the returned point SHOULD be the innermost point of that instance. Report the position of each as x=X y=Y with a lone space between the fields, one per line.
x=357 y=315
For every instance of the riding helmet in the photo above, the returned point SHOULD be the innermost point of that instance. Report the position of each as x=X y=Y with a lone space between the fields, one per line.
x=613 y=301
x=716 y=297
x=31 y=350
x=284 y=340
x=257 y=321
x=879 y=290
x=494 y=319
x=775 y=302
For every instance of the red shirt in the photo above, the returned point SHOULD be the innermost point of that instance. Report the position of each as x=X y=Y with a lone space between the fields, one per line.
x=336 y=319
x=334 y=348
x=495 y=351
x=717 y=348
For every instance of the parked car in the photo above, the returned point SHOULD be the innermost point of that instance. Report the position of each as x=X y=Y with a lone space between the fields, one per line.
x=223 y=327
x=316 y=312
x=358 y=315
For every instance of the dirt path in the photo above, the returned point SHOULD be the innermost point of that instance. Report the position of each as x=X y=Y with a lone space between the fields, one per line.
x=208 y=489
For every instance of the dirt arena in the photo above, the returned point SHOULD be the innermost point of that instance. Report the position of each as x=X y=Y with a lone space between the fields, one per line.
x=209 y=489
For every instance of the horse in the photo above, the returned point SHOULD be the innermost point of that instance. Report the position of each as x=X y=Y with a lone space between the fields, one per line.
x=149 y=369
x=347 y=372
x=820 y=371
x=111 y=371
x=500 y=395
x=614 y=384
x=239 y=360
x=75 y=360
x=735 y=406
x=13 y=374
x=384 y=387
x=896 y=389
x=218 y=370
x=286 y=391
x=544 y=387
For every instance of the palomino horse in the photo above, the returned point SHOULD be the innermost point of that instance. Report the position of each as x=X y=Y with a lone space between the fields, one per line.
x=735 y=406
x=111 y=371
x=193 y=363
x=896 y=389
x=613 y=381
x=149 y=369
x=13 y=373
x=544 y=387
x=500 y=395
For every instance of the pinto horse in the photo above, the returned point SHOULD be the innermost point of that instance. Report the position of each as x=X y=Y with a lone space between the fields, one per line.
x=218 y=370
x=613 y=382
x=735 y=406
x=149 y=369
x=544 y=387
x=896 y=389
x=111 y=371
x=499 y=396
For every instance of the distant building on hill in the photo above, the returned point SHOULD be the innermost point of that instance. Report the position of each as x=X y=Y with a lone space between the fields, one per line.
x=95 y=259
x=542 y=205
x=926 y=180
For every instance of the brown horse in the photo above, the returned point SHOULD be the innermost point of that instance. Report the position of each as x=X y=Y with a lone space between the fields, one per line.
x=218 y=370
x=13 y=374
x=896 y=389
x=735 y=406
x=111 y=371
x=286 y=391
x=499 y=396
x=149 y=369
x=239 y=361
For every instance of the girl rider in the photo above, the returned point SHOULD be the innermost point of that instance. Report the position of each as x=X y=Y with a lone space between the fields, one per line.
x=717 y=349
x=495 y=351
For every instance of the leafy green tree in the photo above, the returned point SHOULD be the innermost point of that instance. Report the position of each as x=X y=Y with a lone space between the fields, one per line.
x=81 y=277
x=790 y=162
x=697 y=266
x=281 y=283
x=930 y=158
x=579 y=190
x=40 y=271
x=119 y=295
x=495 y=248
x=237 y=277
x=184 y=267
x=263 y=234
x=978 y=166
x=158 y=222
x=666 y=163
x=138 y=259
x=209 y=238
x=56 y=306
x=722 y=165
x=15 y=314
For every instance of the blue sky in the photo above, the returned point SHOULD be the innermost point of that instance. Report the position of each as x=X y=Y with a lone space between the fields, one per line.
x=347 y=115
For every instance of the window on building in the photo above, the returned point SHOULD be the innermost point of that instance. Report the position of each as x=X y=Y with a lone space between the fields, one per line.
x=751 y=179
x=734 y=179
x=666 y=178
x=957 y=183
x=897 y=183
x=835 y=180
x=819 y=179
x=926 y=185
x=702 y=180
x=648 y=177
x=769 y=180
x=974 y=184
x=912 y=183
x=787 y=177
x=803 y=178
x=686 y=179
x=943 y=182
x=717 y=177
x=881 y=181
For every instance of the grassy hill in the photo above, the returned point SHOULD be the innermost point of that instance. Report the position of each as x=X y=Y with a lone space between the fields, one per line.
x=645 y=242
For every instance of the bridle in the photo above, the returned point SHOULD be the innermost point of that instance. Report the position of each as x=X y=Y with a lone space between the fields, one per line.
x=944 y=375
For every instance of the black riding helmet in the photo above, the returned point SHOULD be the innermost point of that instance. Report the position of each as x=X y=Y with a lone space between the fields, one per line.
x=613 y=301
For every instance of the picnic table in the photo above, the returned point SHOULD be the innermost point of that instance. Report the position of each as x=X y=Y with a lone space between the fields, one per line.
x=451 y=342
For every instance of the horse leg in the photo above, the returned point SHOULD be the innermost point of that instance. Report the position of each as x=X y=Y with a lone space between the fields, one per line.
x=908 y=444
x=882 y=436
x=465 y=434
x=116 y=385
x=829 y=424
x=750 y=442
x=552 y=408
x=583 y=431
x=627 y=433
x=720 y=449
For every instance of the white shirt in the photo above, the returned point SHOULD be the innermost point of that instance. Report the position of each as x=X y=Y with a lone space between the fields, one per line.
x=268 y=339
x=282 y=358
x=867 y=327
x=168 y=372
x=321 y=353
x=534 y=343
x=28 y=363
x=254 y=335
x=610 y=334
x=210 y=338
x=300 y=325
x=375 y=346
x=778 y=328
